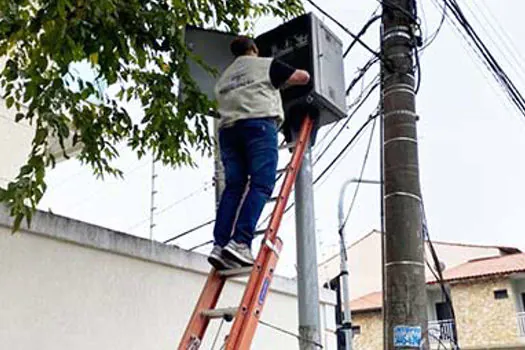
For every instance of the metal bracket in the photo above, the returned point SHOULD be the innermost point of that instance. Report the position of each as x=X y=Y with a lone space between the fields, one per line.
x=398 y=31
x=404 y=194
x=405 y=262
x=401 y=112
x=272 y=247
x=408 y=139
x=405 y=90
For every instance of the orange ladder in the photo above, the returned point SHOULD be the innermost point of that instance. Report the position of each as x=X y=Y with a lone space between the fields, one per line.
x=246 y=316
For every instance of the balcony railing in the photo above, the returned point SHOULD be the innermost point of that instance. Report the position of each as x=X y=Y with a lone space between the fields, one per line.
x=521 y=324
x=441 y=332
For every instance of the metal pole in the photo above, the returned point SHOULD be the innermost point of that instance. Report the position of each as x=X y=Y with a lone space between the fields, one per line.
x=405 y=308
x=346 y=324
x=307 y=280
x=152 y=199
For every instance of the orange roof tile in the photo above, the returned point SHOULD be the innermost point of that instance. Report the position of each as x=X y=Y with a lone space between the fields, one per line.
x=369 y=302
x=498 y=265
x=486 y=267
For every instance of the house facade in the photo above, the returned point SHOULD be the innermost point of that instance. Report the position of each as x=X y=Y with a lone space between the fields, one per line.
x=488 y=298
x=365 y=261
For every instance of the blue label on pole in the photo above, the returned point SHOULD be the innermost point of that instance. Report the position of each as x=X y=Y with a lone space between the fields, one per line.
x=264 y=290
x=407 y=336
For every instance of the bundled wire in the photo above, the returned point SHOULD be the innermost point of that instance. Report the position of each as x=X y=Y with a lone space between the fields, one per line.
x=488 y=58
x=437 y=271
x=343 y=27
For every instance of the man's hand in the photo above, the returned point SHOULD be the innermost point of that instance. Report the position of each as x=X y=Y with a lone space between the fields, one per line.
x=299 y=77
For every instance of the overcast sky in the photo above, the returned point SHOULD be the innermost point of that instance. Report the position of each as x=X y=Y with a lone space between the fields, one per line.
x=471 y=143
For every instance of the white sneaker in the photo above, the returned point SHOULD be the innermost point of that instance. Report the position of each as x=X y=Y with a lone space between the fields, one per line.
x=219 y=261
x=239 y=252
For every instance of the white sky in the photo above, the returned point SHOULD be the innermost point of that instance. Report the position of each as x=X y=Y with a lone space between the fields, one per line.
x=470 y=140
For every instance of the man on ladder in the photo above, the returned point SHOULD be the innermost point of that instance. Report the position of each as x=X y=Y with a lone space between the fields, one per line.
x=250 y=110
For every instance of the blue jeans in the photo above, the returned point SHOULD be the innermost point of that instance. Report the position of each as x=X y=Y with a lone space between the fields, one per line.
x=248 y=151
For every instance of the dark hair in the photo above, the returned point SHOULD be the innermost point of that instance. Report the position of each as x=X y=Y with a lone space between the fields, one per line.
x=241 y=45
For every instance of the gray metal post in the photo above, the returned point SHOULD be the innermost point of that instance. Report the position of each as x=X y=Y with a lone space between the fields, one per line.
x=405 y=310
x=345 y=285
x=346 y=324
x=307 y=280
x=153 y=208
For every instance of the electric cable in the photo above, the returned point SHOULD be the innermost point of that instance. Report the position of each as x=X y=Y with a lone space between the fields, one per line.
x=284 y=331
x=345 y=29
x=488 y=58
x=497 y=41
x=348 y=118
x=363 y=167
x=437 y=271
x=362 y=32
x=433 y=36
x=185 y=233
x=217 y=335
x=173 y=204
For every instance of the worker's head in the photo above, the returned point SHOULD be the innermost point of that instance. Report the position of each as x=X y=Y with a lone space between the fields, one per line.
x=243 y=46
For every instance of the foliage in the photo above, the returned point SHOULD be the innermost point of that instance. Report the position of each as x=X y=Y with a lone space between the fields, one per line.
x=135 y=45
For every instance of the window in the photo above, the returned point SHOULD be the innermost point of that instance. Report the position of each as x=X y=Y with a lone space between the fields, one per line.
x=443 y=311
x=501 y=294
x=356 y=330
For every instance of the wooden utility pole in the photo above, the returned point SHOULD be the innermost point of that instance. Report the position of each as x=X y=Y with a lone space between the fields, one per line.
x=405 y=318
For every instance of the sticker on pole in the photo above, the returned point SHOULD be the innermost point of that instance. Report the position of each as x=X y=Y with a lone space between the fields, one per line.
x=407 y=336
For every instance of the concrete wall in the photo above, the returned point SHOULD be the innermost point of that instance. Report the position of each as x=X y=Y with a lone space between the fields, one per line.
x=69 y=285
x=484 y=322
x=371 y=336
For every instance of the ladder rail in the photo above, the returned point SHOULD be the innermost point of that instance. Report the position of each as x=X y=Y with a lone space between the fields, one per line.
x=246 y=320
x=198 y=323
x=257 y=288
x=255 y=307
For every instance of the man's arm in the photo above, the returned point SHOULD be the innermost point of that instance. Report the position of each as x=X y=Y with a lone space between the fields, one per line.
x=282 y=75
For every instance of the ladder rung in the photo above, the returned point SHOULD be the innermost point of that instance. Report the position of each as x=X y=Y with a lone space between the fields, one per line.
x=241 y=271
x=273 y=199
x=288 y=145
x=282 y=171
x=259 y=232
x=220 y=313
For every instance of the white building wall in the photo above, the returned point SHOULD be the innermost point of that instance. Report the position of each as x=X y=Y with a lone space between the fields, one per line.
x=518 y=286
x=69 y=285
x=15 y=144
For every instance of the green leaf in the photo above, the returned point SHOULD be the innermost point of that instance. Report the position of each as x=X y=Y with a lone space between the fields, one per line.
x=17 y=222
x=9 y=101
x=57 y=54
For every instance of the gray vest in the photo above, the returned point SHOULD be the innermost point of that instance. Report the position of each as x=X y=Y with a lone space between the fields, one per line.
x=245 y=91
